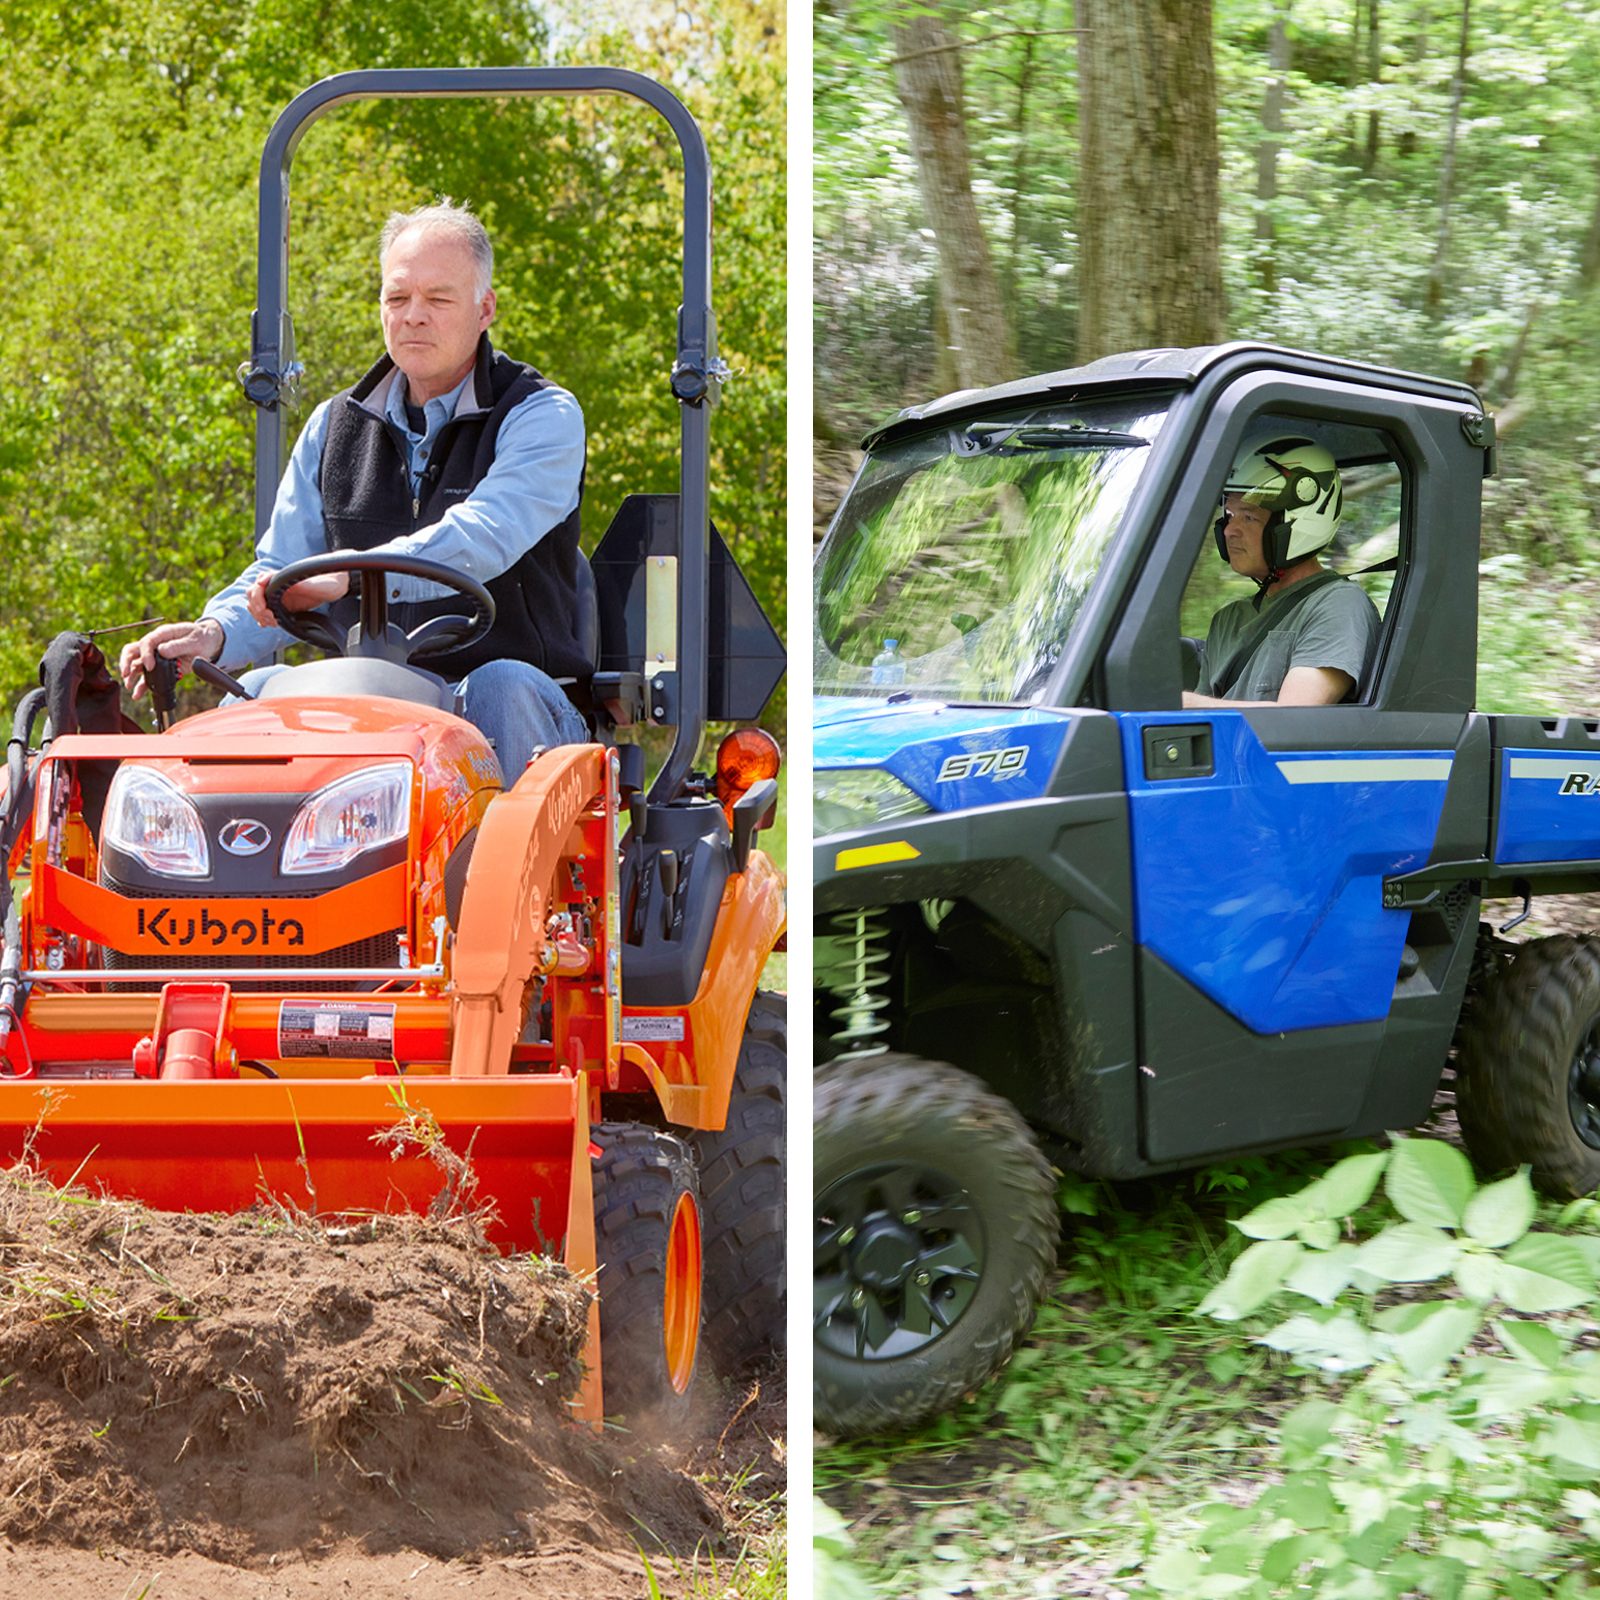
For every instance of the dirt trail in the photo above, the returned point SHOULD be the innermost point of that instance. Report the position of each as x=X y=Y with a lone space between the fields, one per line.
x=202 y=1408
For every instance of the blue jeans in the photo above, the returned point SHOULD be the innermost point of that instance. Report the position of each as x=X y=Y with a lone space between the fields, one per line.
x=516 y=707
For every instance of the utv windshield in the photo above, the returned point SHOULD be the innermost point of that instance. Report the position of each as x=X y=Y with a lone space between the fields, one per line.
x=958 y=564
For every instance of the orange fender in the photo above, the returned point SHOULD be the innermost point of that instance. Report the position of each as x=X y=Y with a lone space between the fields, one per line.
x=500 y=942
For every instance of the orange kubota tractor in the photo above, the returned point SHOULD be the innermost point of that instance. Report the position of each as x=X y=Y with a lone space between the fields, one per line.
x=238 y=949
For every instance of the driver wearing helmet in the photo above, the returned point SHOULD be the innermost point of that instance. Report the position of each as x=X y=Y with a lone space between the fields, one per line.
x=1307 y=636
x=445 y=450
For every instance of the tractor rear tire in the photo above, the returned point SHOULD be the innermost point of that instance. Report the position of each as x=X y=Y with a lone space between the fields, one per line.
x=742 y=1178
x=936 y=1232
x=1528 y=1073
x=648 y=1246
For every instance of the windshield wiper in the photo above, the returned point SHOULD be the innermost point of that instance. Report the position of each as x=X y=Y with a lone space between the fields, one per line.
x=1049 y=436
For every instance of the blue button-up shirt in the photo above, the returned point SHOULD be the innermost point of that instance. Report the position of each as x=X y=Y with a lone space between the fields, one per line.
x=531 y=487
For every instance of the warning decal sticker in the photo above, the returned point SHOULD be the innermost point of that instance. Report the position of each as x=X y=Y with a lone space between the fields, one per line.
x=345 y=1030
x=640 y=1029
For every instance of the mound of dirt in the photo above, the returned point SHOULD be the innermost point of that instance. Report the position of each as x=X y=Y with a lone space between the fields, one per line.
x=253 y=1388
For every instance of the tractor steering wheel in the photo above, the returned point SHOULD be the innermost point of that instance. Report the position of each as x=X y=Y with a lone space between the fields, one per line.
x=374 y=636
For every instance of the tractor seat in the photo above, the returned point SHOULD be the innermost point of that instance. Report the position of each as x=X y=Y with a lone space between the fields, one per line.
x=586 y=625
x=586 y=632
x=340 y=675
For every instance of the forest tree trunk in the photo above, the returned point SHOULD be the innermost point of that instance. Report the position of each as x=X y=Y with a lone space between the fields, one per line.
x=1268 y=146
x=1434 y=296
x=1369 y=159
x=1019 y=179
x=927 y=74
x=1148 y=219
x=1589 y=259
x=1352 y=78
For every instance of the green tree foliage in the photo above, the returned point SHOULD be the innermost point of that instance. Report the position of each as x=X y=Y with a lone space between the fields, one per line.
x=1489 y=276
x=130 y=136
x=876 y=267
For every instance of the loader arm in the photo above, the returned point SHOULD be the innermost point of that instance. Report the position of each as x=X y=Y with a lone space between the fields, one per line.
x=502 y=943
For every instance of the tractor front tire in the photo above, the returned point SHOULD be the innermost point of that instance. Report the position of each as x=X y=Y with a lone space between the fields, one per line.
x=1528 y=1072
x=648 y=1246
x=936 y=1232
x=742 y=1175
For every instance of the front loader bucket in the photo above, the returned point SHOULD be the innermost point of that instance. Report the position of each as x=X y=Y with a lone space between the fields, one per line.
x=312 y=1145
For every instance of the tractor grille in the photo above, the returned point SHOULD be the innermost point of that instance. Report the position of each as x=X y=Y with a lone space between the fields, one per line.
x=378 y=950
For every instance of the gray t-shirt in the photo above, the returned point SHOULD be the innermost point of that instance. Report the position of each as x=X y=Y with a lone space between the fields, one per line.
x=1336 y=626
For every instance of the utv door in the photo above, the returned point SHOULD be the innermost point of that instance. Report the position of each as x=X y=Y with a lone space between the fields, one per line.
x=1273 y=981
x=1279 y=999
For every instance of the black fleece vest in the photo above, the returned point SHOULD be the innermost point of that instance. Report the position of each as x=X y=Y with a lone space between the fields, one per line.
x=367 y=501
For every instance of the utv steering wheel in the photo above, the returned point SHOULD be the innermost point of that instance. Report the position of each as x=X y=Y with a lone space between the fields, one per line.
x=374 y=636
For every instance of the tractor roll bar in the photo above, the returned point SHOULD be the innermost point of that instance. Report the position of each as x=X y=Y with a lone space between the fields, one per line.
x=696 y=371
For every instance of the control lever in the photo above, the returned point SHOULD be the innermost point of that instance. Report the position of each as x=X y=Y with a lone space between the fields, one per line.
x=163 y=691
x=669 y=889
x=209 y=672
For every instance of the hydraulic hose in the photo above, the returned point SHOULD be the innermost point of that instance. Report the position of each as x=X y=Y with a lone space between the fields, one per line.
x=10 y=982
x=17 y=801
x=14 y=810
x=13 y=805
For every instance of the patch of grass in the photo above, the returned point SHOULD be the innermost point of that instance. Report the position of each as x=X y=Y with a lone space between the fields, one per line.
x=759 y=1570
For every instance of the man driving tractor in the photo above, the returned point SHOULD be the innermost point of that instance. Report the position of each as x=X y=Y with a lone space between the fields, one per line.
x=446 y=450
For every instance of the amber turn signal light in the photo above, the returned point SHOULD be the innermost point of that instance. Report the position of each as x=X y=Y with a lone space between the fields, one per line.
x=744 y=758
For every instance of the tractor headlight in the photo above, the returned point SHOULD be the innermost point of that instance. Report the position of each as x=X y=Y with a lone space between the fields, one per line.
x=844 y=798
x=354 y=815
x=155 y=823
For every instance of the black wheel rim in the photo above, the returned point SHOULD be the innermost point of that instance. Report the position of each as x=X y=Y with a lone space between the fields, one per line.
x=899 y=1252
x=1583 y=1087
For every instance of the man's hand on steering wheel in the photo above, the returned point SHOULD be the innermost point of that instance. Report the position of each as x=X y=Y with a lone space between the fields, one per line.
x=373 y=635
x=304 y=596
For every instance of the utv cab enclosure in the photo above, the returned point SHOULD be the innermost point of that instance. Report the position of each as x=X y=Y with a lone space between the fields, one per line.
x=1058 y=913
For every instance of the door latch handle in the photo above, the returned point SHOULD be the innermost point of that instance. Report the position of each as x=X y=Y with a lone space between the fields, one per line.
x=1180 y=751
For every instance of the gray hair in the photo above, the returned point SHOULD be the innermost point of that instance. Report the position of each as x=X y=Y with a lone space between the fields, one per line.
x=452 y=220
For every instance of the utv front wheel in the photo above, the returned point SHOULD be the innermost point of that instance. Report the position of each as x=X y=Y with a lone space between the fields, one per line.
x=648 y=1246
x=1528 y=1076
x=936 y=1229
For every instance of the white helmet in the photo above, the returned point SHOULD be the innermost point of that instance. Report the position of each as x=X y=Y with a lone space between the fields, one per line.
x=1297 y=480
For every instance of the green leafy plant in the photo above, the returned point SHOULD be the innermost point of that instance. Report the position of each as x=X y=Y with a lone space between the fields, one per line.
x=833 y=1575
x=1456 y=1456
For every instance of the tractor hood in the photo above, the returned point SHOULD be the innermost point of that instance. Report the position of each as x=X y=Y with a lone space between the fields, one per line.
x=878 y=761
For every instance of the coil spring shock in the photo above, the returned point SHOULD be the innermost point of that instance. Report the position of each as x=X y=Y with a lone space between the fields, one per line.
x=863 y=939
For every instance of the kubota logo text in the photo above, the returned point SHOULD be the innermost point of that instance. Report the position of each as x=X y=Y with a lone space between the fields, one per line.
x=179 y=930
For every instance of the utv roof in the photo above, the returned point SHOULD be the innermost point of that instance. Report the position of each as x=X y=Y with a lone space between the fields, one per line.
x=1167 y=368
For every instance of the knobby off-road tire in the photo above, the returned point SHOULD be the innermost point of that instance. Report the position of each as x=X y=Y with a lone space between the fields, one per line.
x=742 y=1175
x=922 y=1174
x=648 y=1246
x=1492 y=958
x=1528 y=1074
